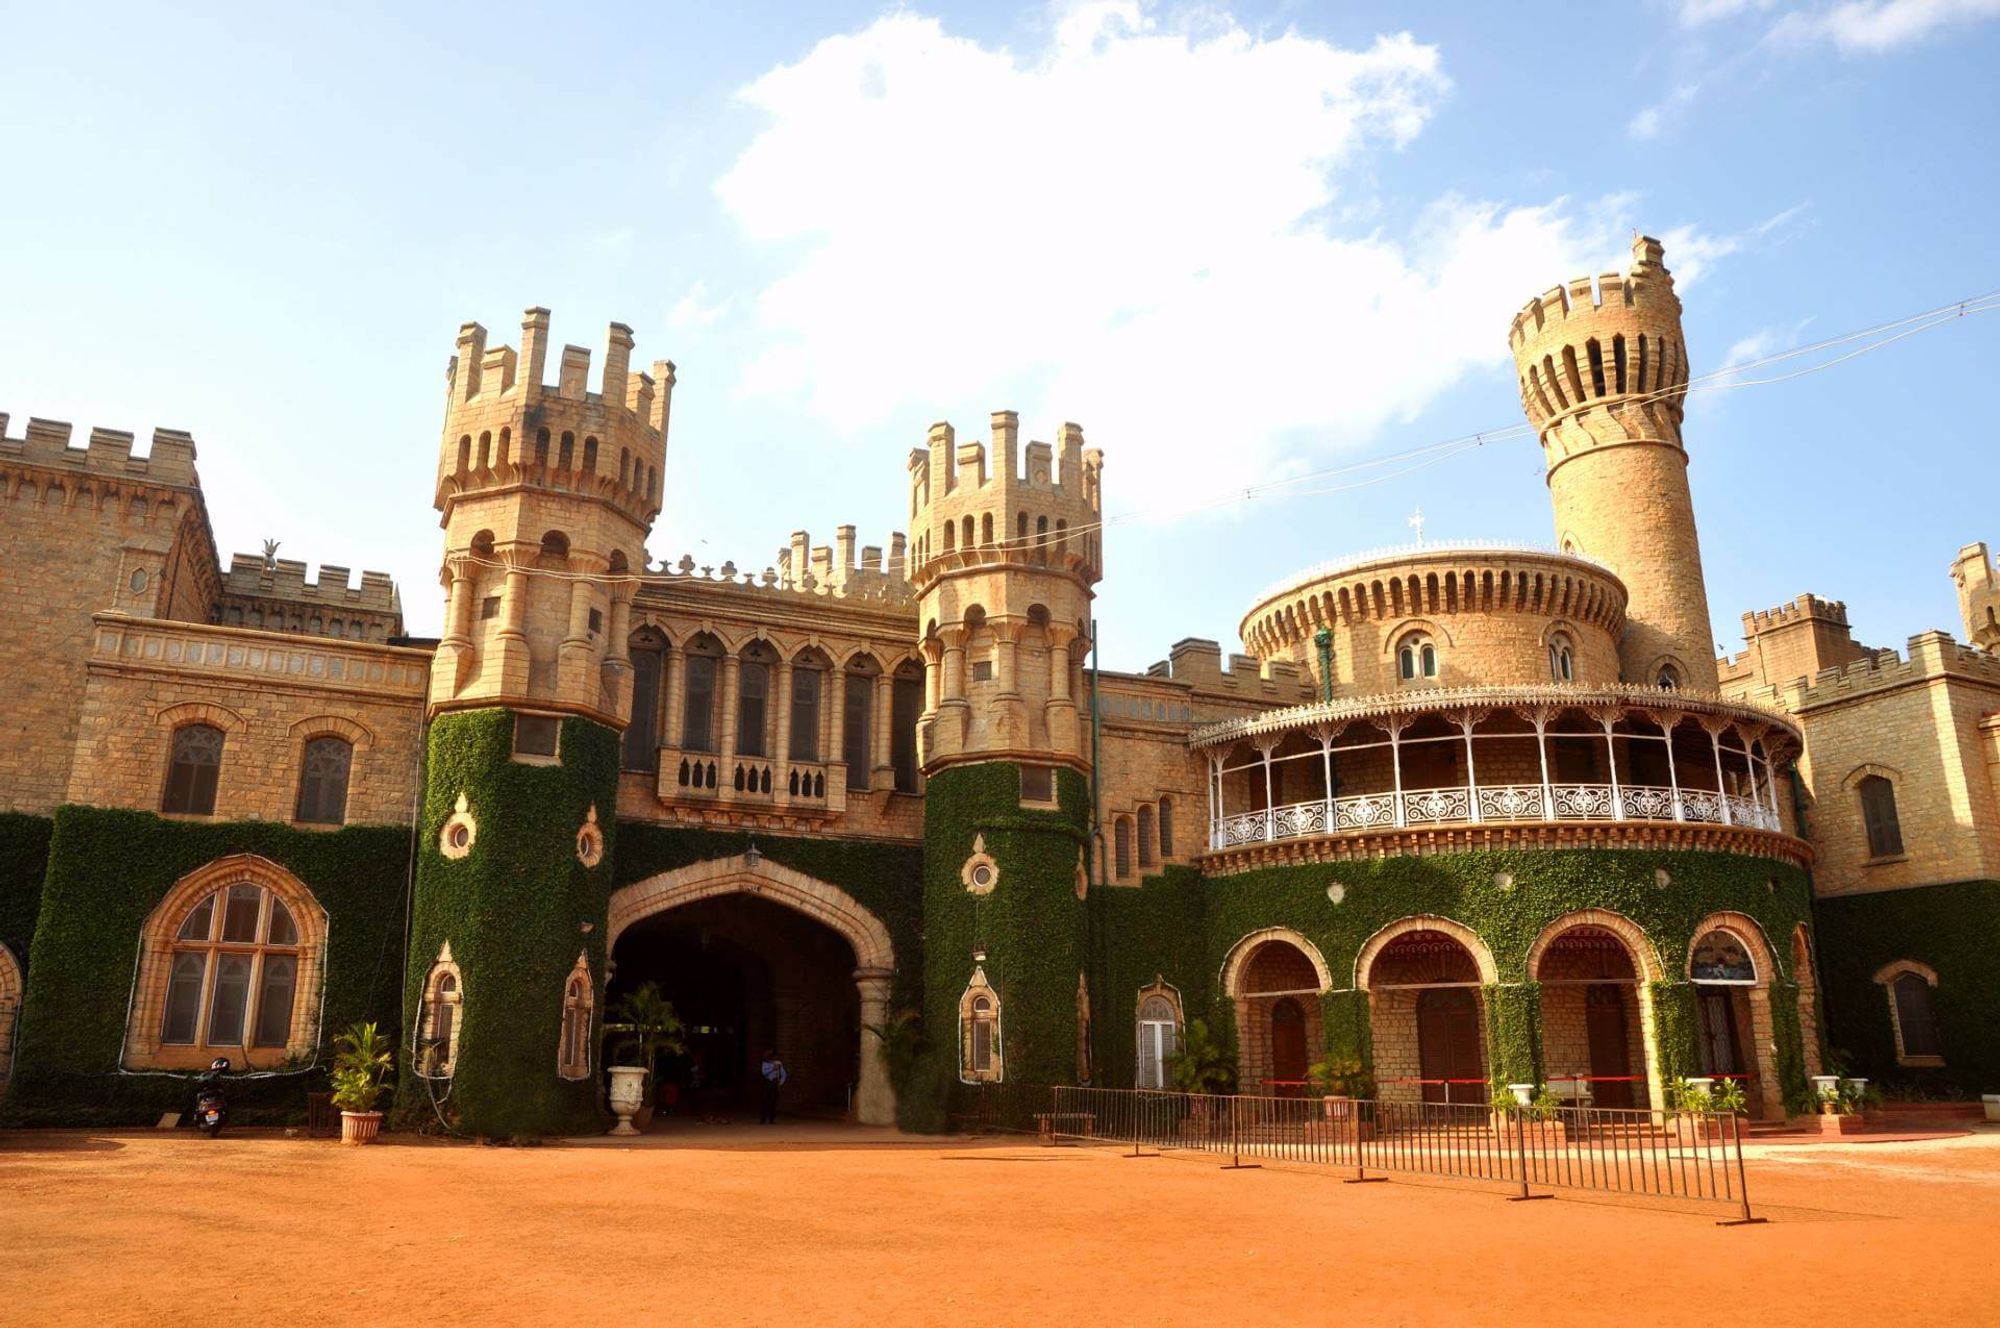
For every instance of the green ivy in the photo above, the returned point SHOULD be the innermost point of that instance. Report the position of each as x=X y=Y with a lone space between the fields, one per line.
x=1506 y=897
x=107 y=871
x=1031 y=927
x=24 y=861
x=1953 y=928
x=517 y=910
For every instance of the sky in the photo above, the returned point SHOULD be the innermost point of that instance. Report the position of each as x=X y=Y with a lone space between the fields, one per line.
x=1243 y=244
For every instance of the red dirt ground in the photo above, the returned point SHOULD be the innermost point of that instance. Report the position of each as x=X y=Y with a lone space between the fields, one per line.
x=821 y=1225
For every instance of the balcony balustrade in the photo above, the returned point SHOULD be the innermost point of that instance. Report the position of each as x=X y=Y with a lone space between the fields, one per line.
x=1426 y=759
x=1416 y=808
x=721 y=779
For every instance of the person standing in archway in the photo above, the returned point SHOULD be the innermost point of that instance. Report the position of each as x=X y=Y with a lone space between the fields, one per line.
x=773 y=1071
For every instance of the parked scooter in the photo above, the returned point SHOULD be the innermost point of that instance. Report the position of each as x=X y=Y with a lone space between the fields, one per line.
x=211 y=1108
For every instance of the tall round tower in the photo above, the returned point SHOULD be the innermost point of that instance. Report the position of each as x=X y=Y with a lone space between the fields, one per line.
x=1603 y=371
x=547 y=494
x=1003 y=558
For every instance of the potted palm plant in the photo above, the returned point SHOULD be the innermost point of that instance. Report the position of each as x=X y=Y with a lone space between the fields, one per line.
x=361 y=1057
x=1201 y=1065
x=647 y=1023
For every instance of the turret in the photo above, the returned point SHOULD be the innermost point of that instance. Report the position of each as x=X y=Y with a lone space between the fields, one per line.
x=1978 y=595
x=1003 y=552
x=547 y=495
x=1603 y=373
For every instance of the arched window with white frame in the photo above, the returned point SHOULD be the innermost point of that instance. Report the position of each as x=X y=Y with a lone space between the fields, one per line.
x=1416 y=659
x=444 y=1015
x=1159 y=1034
x=1562 y=658
x=579 y=1002
x=1911 y=988
x=229 y=966
x=980 y=1057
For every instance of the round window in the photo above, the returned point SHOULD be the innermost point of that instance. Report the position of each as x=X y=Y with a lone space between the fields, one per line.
x=461 y=836
x=982 y=875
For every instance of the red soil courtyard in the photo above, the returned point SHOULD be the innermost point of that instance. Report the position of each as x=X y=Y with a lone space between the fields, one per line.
x=822 y=1225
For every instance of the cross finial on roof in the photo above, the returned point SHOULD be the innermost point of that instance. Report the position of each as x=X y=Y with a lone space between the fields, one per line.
x=1416 y=523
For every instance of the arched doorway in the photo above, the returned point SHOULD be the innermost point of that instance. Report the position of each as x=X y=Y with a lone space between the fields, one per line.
x=757 y=956
x=1595 y=1012
x=1729 y=964
x=1275 y=977
x=1423 y=977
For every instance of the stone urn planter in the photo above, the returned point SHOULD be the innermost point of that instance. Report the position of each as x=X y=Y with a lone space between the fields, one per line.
x=628 y=1094
x=1824 y=1084
x=360 y=1127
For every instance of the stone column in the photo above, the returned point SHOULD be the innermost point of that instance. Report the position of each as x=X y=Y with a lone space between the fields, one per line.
x=874 y=1097
x=1060 y=710
x=726 y=729
x=617 y=667
x=948 y=731
x=880 y=736
x=670 y=727
x=512 y=639
x=781 y=727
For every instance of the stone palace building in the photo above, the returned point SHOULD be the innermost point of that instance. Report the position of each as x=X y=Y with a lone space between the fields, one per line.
x=1462 y=815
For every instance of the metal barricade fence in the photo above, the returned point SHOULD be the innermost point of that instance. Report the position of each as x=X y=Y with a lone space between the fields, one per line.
x=1675 y=1155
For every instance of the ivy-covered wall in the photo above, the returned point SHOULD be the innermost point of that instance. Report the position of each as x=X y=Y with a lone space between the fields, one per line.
x=517 y=910
x=1953 y=928
x=1137 y=933
x=24 y=860
x=107 y=871
x=1031 y=927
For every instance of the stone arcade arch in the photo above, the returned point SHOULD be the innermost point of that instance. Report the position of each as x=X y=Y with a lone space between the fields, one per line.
x=1424 y=976
x=1596 y=969
x=1275 y=977
x=1733 y=1013
x=832 y=907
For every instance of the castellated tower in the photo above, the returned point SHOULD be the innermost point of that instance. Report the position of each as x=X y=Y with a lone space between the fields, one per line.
x=1603 y=371
x=1003 y=557
x=547 y=494
x=1003 y=560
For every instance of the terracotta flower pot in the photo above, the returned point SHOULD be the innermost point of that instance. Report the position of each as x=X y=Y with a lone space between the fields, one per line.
x=360 y=1127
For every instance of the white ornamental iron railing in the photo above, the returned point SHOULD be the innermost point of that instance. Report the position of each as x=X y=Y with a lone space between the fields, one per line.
x=1502 y=803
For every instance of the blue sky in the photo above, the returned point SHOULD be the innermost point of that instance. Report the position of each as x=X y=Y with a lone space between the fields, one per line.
x=1238 y=243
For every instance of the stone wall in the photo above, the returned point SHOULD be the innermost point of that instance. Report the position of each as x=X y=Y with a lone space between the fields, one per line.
x=269 y=693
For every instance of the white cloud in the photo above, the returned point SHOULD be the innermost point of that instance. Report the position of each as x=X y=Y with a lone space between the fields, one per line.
x=695 y=310
x=1649 y=122
x=1869 y=27
x=1696 y=13
x=1130 y=229
x=1691 y=251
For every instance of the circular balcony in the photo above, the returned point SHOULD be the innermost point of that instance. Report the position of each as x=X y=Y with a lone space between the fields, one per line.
x=1444 y=769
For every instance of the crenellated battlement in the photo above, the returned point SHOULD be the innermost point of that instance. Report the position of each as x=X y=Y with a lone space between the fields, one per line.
x=505 y=425
x=1805 y=608
x=1609 y=347
x=252 y=576
x=1040 y=503
x=1197 y=662
x=1927 y=656
x=1646 y=284
x=108 y=453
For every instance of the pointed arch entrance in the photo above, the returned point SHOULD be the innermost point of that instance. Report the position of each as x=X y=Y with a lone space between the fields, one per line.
x=764 y=954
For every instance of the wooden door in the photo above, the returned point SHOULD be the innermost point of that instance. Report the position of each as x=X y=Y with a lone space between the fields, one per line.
x=1718 y=1033
x=1610 y=1043
x=1448 y=1046
x=1288 y=1042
